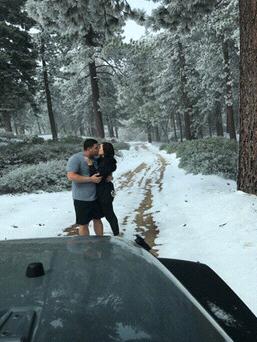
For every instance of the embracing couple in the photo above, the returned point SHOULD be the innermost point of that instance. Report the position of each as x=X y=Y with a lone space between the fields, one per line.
x=92 y=189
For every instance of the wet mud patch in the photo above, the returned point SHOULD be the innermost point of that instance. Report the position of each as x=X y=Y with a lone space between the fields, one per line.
x=145 y=223
x=71 y=230
x=128 y=178
x=163 y=164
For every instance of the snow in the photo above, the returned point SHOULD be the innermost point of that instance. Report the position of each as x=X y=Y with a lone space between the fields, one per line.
x=35 y=215
x=46 y=136
x=57 y=323
x=200 y=218
x=228 y=319
x=204 y=218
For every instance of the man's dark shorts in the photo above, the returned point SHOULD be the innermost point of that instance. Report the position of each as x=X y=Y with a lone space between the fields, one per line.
x=86 y=211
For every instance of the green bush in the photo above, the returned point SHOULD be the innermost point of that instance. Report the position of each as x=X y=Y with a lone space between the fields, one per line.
x=28 y=153
x=34 y=140
x=121 y=146
x=72 y=140
x=209 y=156
x=7 y=135
x=11 y=137
x=170 y=148
x=50 y=177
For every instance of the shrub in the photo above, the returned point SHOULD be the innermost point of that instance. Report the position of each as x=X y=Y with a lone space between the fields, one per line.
x=121 y=146
x=34 y=140
x=209 y=156
x=50 y=177
x=72 y=140
x=11 y=137
x=170 y=148
x=24 y=153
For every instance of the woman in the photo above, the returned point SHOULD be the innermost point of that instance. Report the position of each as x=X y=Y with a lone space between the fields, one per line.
x=105 y=166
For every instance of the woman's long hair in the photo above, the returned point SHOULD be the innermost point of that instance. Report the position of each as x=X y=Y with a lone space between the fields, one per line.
x=108 y=149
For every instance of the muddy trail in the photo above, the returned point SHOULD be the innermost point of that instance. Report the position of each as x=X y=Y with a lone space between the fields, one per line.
x=140 y=181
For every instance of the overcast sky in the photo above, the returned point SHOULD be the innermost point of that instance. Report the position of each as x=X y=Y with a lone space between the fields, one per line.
x=132 y=30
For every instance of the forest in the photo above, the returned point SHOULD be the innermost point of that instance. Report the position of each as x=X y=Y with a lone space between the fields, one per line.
x=67 y=70
x=177 y=101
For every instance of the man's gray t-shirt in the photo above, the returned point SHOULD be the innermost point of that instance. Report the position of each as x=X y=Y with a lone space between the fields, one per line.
x=81 y=191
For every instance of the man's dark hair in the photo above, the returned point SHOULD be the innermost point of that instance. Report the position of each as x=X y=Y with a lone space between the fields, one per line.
x=108 y=149
x=88 y=143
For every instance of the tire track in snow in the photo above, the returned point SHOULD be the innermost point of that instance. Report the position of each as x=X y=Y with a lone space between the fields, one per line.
x=142 y=215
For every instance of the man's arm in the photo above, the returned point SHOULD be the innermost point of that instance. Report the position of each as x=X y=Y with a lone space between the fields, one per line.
x=73 y=167
x=73 y=176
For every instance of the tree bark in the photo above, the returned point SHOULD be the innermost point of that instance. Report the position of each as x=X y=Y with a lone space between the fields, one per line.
x=218 y=117
x=172 y=119
x=185 y=96
x=116 y=132
x=157 y=134
x=95 y=98
x=81 y=130
x=110 y=126
x=6 y=115
x=38 y=126
x=15 y=127
x=164 y=127
x=247 y=173
x=210 y=125
x=149 y=134
x=180 y=126
x=200 y=132
x=48 y=94
x=229 y=95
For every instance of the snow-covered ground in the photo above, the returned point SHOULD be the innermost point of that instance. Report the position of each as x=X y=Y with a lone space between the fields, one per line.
x=199 y=218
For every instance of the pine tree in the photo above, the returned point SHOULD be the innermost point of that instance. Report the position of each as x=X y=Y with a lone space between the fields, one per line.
x=206 y=36
x=47 y=91
x=137 y=94
x=92 y=24
x=17 y=60
x=179 y=16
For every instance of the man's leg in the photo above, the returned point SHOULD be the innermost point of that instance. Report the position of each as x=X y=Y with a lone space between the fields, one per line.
x=83 y=229
x=98 y=227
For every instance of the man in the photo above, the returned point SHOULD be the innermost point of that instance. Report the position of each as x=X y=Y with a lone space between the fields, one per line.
x=84 y=188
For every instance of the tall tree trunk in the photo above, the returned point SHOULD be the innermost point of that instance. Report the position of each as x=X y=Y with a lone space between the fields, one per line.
x=149 y=133
x=172 y=119
x=110 y=126
x=157 y=134
x=185 y=96
x=210 y=125
x=116 y=132
x=164 y=129
x=38 y=126
x=48 y=94
x=22 y=129
x=180 y=126
x=81 y=130
x=229 y=95
x=95 y=98
x=6 y=115
x=200 y=132
x=218 y=116
x=15 y=127
x=247 y=173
